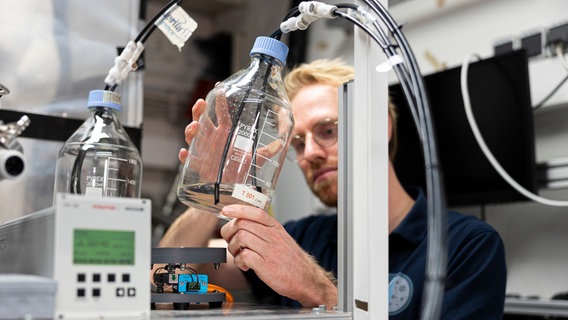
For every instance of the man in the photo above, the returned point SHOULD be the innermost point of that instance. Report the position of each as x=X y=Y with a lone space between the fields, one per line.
x=297 y=262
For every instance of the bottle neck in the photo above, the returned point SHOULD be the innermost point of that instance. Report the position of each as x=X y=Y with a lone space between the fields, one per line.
x=267 y=61
x=104 y=111
x=265 y=74
x=106 y=115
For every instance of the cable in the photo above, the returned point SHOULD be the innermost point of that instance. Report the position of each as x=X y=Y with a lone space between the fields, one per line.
x=390 y=50
x=263 y=63
x=417 y=98
x=77 y=170
x=292 y=13
x=127 y=60
x=253 y=167
x=192 y=271
x=485 y=149
x=560 y=54
x=436 y=263
x=151 y=25
x=215 y=288
x=548 y=96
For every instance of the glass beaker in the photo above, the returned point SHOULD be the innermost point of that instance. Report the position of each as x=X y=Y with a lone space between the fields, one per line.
x=243 y=136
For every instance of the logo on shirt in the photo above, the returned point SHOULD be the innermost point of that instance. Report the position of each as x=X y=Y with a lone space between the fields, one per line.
x=400 y=292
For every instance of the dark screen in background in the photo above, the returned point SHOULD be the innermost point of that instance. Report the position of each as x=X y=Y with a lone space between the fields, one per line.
x=500 y=97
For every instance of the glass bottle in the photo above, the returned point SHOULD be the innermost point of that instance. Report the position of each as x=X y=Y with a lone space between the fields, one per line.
x=100 y=158
x=243 y=136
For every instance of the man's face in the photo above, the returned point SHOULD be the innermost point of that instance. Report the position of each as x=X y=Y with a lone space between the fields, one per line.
x=314 y=107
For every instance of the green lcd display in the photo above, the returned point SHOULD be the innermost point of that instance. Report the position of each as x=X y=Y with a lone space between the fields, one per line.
x=103 y=247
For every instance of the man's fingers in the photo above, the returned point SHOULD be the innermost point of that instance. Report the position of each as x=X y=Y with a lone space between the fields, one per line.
x=222 y=110
x=250 y=213
x=239 y=241
x=191 y=131
x=240 y=261
x=243 y=245
x=268 y=151
x=182 y=156
x=247 y=259
x=198 y=108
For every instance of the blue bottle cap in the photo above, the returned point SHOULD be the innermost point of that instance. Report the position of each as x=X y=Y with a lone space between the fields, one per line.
x=271 y=47
x=104 y=98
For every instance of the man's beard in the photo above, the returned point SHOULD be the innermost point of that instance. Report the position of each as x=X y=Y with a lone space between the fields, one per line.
x=326 y=191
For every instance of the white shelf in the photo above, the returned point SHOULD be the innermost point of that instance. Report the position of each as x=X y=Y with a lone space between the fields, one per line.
x=536 y=307
x=545 y=75
x=553 y=174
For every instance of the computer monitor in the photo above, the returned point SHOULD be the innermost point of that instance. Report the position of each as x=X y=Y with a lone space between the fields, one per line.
x=501 y=102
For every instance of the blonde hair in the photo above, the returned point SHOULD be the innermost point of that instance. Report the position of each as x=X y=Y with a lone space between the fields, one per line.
x=332 y=72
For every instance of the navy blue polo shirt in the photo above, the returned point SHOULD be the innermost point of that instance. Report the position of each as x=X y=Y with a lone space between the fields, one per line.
x=476 y=273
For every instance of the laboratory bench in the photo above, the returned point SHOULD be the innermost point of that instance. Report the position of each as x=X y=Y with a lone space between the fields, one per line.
x=234 y=310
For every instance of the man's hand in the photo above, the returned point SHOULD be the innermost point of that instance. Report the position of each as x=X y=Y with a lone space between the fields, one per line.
x=207 y=152
x=258 y=241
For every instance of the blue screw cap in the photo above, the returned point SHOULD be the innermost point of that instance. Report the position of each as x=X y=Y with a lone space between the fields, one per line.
x=104 y=98
x=271 y=47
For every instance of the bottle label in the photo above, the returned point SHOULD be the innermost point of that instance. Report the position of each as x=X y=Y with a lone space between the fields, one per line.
x=249 y=195
x=245 y=137
x=93 y=191
x=176 y=25
x=94 y=185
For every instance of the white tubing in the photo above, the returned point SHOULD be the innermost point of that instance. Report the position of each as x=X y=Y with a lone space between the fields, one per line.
x=479 y=138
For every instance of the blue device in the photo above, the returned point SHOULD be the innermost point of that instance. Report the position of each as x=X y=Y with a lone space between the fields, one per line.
x=192 y=283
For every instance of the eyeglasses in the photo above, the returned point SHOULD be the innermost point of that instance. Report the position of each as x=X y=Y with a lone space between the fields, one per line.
x=324 y=133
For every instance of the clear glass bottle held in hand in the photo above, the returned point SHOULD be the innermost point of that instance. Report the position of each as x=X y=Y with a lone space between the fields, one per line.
x=242 y=136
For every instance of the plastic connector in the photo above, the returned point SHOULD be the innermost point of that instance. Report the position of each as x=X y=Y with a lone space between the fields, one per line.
x=363 y=16
x=193 y=283
x=132 y=62
x=9 y=133
x=124 y=63
x=317 y=9
x=300 y=22
x=310 y=11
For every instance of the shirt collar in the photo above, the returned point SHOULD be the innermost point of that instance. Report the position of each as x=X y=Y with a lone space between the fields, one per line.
x=413 y=226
